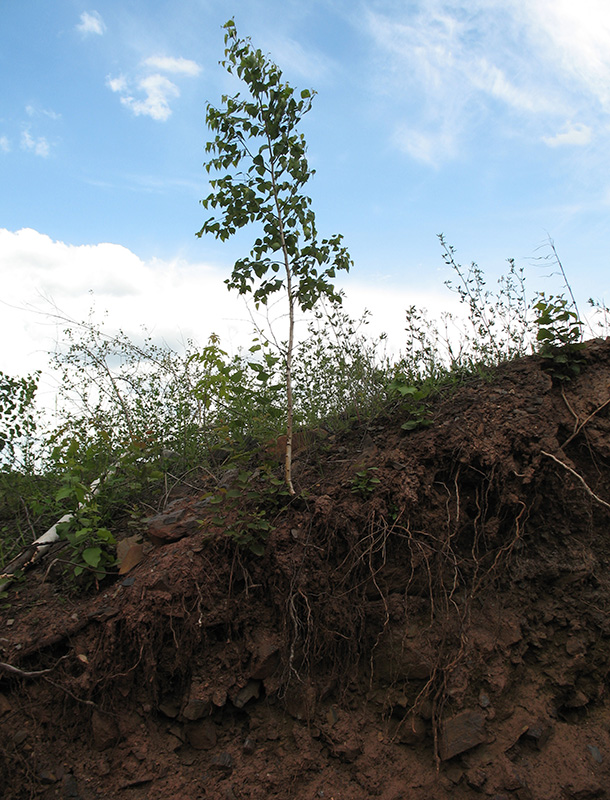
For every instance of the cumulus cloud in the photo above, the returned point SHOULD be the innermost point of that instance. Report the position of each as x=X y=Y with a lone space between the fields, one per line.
x=91 y=22
x=37 y=145
x=157 y=90
x=574 y=134
x=117 y=84
x=151 y=94
x=173 y=299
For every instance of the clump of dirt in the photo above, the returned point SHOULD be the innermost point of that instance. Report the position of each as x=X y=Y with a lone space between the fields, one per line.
x=429 y=619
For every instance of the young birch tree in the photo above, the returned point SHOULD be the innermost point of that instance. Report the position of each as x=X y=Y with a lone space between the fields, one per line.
x=260 y=161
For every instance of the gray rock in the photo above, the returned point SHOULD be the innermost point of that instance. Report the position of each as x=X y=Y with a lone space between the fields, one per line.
x=460 y=733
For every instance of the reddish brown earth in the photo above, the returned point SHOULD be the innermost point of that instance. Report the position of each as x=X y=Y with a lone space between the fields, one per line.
x=445 y=635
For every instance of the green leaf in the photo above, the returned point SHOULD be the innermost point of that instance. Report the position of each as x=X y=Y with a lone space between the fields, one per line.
x=92 y=556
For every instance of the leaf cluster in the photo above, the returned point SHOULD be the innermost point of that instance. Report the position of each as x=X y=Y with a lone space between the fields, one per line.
x=244 y=509
x=559 y=335
x=261 y=167
x=17 y=413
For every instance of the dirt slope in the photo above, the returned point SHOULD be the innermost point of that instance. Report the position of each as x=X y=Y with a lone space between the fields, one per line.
x=429 y=620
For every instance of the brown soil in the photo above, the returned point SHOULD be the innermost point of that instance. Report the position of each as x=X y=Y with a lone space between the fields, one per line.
x=442 y=633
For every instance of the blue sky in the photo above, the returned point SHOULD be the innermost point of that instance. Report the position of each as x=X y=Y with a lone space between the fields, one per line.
x=487 y=120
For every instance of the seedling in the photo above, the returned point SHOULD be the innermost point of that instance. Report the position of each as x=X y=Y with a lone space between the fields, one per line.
x=365 y=481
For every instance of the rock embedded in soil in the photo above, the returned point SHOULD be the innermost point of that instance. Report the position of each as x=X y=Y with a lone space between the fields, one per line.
x=104 y=730
x=201 y=735
x=250 y=691
x=222 y=761
x=461 y=733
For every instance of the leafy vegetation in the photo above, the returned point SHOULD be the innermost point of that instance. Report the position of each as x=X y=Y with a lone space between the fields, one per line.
x=559 y=336
x=260 y=158
x=365 y=481
x=136 y=418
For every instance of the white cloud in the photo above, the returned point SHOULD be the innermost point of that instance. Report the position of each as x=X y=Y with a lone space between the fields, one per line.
x=291 y=56
x=575 y=37
x=153 y=93
x=5 y=145
x=504 y=63
x=173 y=299
x=573 y=134
x=117 y=84
x=39 y=145
x=495 y=82
x=158 y=91
x=32 y=111
x=91 y=22
x=431 y=147
x=182 y=66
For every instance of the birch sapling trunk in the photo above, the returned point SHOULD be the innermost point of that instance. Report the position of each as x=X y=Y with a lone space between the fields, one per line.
x=260 y=163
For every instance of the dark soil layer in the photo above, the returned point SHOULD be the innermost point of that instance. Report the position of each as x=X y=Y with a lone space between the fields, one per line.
x=443 y=633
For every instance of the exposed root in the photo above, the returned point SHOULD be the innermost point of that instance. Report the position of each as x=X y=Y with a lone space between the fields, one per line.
x=589 y=491
x=580 y=425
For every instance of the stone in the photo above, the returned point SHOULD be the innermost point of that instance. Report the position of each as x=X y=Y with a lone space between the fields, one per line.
x=20 y=736
x=104 y=730
x=476 y=778
x=219 y=697
x=201 y=735
x=454 y=773
x=411 y=730
x=5 y=706
x=69 y=787
x=300 y=702
x=399 y=660
x=180 y=519
x=265 y=658
x=347 y=751
x=575 y=646
x=222 y=761
x=250 y=691
x=170 y=708
x=577 y=700
x=538 y=734
x=461 y=733
x=196 y=708
x=511 y=779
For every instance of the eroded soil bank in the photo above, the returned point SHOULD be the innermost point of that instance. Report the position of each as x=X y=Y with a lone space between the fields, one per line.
x=441 y=631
